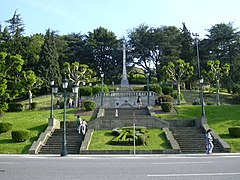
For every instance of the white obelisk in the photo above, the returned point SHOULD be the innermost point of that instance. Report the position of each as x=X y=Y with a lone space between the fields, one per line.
x=124 y=81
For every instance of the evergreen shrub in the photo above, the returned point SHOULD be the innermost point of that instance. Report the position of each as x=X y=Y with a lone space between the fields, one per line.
x=166 y=90
x=20 y=136
x=15 y=107
x=86 y=91
x=167 y=106
x=89 y=105
x=5 y=127
x=234 y=131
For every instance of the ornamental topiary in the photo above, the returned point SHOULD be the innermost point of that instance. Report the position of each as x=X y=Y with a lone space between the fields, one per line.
x=234 y=131
x=20 y=136
x=167 y=106
x=5 y=127
x=89 y=105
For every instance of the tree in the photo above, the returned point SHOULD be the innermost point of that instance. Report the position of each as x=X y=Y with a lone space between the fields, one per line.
x=154 y=46
x=216 y=72
x=48 y=63
x=16 y=30
x=103 y=45
x=30 y=82
x=178 y=72
x=10 y=66
x=78 y=73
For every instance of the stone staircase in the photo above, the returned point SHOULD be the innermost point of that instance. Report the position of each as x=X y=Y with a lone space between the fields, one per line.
x=192 y=140
x=54 y=143
x=126 y=117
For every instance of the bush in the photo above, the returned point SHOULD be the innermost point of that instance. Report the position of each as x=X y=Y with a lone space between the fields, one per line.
x=97 y=89
x=5 y=127
x=34 y=106
x=236 y=99
x=166 y=90
x=163 y=98
x=86 y=91
x=167 y=106
x=175 y=96
x=20 y=136
x=15 y=107
x=89 y=105
x=154 y=87
x=234 y=131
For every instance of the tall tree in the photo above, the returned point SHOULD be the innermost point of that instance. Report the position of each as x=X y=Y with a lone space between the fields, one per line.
x=178 y=72
x=10 y=67
x=78 y=73
x=216 y=72
x=48 y=63
x=16 y=30
x=103 y=45
x=154 y=46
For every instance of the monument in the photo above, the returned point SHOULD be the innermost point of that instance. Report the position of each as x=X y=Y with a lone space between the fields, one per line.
x=124 y=80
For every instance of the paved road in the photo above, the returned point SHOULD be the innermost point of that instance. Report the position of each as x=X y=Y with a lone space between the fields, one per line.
x=36 y=167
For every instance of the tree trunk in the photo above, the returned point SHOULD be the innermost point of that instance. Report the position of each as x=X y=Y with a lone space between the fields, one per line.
x=217 y=93
x=30 y=99
x=178 y=93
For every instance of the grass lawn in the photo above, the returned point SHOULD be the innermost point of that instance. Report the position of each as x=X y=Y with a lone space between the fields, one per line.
x=101 y=139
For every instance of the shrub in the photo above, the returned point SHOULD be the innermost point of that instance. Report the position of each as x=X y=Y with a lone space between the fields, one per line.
x=167 y=106
x=20 y=136
x=89 y=105
x=163 y=98
x=234 y=131
x=167 y=89
x=236 y=99
x=175 y=96
x=5 y=127
x=14 y=107
x=86 y=91
x=34 y=105
x=97 y=89
x=154 y=87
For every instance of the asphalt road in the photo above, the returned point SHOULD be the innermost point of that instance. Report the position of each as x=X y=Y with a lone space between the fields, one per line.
x=119 y=167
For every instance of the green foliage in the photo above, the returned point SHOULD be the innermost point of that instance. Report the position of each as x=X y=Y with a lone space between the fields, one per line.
x=234 y=131
x=34 y=105
x=89 y=105
x=125 y=136
x=181 y=96
x=15 y=107
x=97 y=89
x=86 y=91
x=154 y=87
x=20 y=136
x=5 y=127
x=167 y=106
x=235 y=99
x=166 y=90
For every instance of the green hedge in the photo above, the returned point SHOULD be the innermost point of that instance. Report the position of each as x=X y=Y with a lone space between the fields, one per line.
x=154 y=87
x=5 y=127
x=15 y=107
x=234 y=131
x=167 y=106
x=86 y=91
x=20 y=136
x=89 y=105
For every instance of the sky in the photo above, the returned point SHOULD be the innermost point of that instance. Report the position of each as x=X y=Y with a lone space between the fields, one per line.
x=119 y=16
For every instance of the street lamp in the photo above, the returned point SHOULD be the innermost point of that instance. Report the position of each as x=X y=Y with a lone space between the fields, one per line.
x=54 y=90
x=198 y=61
x=202 y=99
x=102 y=75
x=74 y=90
x=148 y=86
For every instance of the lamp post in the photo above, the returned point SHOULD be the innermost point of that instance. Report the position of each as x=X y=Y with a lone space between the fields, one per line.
x=198 y=61
x=202 y=99
x=54 y=90
x=148 y=87
x=64 y=140
x=102 y=75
